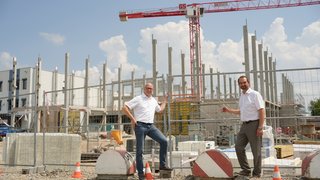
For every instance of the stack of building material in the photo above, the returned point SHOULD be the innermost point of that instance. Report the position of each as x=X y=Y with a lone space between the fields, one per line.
x=302 y=149
x=197 y=146
x=58 y=151
x=287 y=166
x=284 y=151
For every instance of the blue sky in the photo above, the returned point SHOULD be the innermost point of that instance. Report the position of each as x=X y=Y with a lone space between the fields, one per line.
x=50 y=29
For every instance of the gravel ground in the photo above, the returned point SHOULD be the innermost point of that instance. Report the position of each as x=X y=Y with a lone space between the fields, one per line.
x=88 y=173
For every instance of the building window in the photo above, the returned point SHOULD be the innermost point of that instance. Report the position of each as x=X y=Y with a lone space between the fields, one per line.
x=10 y=86
x=23 y=102
x=9 y=104
x=24 y=83
x=17 y=103
x=0 y=86
x=17 y=84
x=0 y=104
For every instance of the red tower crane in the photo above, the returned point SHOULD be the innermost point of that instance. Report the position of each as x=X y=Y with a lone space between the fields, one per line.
x=196 y=10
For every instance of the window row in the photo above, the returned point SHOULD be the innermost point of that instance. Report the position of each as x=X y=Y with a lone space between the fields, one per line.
x=10 y=85
x=9 y=101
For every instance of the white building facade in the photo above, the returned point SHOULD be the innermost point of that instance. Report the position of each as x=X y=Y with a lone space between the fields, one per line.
x=50 y=87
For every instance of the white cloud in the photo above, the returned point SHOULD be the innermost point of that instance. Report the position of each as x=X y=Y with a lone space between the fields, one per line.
x=116 y=52
x=94 y=75
x=5 y=61
x=175 y=35
x=56 y=39
x=303 y=52
x=310 y=34
x=227 y=56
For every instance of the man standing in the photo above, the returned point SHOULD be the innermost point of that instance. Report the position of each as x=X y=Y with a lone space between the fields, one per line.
x=142 y=119
x=252 y=114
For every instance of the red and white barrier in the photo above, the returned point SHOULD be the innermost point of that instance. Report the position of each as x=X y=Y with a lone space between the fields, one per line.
x=213 y=164
x=115 y=162
x=310 y=165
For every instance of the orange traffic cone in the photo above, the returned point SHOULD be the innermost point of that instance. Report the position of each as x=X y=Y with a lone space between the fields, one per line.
x=148 y=174
x=77 y=172
x=276 y=173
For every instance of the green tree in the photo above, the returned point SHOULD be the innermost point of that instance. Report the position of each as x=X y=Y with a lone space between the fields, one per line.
x=315 y=107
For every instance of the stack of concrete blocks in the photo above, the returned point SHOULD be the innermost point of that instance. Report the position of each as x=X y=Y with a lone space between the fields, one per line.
x=181 y=161
x=61 y=150
x=197 y=146
x=302 y=150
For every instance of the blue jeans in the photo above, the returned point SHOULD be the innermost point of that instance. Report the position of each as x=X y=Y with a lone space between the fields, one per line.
x=142 y=130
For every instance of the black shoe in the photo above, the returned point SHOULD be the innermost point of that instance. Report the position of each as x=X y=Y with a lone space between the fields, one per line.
x=256 y=175
x=141 y=177
x=243 y=173
x=165 y=168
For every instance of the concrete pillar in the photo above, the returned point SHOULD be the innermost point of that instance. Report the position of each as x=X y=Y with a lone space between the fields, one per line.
x=183 y=80
x=37 y=94
x=224 y=87
x=132 y=84
x=254 y=63
x=271 y=80
x=66 y=93
x=55 y=85
x=230 y=88
x=14 y=91
x=86 y=97
x=218 y=86
x=261 y=75
x=154 y=65
x=71 y=94
x=235 y=83
x=211 y=84
x=198 y=82
x=104 y=99
x=203 y=82
x=284 y=97
x=120 y=94
x=246 y=51
x=266 y=75
x=275 y=82
x=170 y=69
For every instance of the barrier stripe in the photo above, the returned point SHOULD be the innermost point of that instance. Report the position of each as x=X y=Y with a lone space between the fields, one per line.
x=212 y=163
x=222 y=160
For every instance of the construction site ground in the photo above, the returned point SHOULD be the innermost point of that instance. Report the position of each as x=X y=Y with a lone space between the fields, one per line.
x=88 y=172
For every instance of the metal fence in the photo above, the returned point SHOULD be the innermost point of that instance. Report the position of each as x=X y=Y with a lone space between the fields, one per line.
x=89 y=115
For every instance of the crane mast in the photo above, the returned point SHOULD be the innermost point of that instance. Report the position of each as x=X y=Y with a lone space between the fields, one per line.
x=195 y=10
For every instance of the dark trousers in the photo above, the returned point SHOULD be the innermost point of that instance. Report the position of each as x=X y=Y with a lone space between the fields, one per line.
x=247 y=134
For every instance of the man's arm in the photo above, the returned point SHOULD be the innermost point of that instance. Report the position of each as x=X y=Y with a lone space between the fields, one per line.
x=230 y=110
x=163 y=104
x=261 y=122
x=127 y=112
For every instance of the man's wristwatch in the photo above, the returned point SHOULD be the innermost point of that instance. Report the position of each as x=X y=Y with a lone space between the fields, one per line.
x=260 y=128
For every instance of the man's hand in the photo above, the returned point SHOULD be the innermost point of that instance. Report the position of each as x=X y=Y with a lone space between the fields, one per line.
x=133 y=123
x=225 y=109
x=259 y=132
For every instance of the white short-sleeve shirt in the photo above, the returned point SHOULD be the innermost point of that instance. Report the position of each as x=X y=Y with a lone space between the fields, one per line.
x=143 y=108
x=250 y=103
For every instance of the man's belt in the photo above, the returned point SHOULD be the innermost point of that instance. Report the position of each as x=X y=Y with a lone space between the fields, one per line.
x=247 y=122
